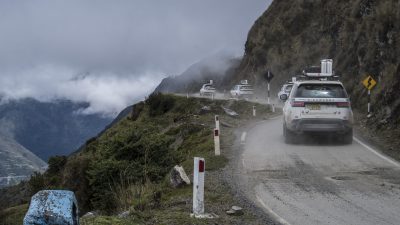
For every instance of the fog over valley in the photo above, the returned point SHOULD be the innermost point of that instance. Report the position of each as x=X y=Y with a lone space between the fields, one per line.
x=112 y=53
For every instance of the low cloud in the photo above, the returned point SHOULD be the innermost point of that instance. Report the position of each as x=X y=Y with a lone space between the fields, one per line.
x=112 y=53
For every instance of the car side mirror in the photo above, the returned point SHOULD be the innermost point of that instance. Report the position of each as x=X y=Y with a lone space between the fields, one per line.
x=283 y=97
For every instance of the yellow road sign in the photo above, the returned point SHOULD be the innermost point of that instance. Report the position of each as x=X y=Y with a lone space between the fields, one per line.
x=369 y=82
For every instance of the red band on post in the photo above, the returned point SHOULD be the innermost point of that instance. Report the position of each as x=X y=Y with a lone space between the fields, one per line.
x=201 y=166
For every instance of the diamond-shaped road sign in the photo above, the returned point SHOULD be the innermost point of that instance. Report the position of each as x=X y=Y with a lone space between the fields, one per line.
x=268 y=76
x=369 y=82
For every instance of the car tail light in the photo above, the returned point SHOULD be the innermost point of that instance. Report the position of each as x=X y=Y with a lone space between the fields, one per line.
x=343 y=104
x=297 y=104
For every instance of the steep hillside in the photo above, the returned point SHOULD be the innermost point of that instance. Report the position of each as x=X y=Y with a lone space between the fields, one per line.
x=127 y=166
x=16 y=162
x=213 y=68
x=362 y=37
x=48 y=128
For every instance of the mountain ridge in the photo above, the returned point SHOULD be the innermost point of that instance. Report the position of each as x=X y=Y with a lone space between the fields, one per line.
x=16 y=162
x=48 y=128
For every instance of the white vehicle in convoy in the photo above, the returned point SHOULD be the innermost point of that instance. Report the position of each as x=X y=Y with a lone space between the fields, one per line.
x=286 y=88
x=207 y=89
x=317 y=105
x=242 y=91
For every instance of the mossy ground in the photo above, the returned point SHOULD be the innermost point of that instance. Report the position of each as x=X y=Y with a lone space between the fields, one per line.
x=13 y=215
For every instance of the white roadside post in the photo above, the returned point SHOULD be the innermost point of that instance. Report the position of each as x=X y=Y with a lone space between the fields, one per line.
x=254 y=110
x=273 y=108
x=187 y=95
x=216 y=142
x=216 y=122
x=198 y=187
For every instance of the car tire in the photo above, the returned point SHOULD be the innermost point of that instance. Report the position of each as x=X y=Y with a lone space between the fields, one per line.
x=347 y=137
x=289 y=136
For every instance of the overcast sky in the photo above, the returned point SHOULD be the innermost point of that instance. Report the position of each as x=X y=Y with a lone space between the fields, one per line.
x=111 y=53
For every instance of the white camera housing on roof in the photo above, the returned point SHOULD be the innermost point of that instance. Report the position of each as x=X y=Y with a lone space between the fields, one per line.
x=325 y=70
x=326 y=67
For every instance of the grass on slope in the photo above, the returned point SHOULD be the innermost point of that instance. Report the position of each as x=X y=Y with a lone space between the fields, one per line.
x=127 y=166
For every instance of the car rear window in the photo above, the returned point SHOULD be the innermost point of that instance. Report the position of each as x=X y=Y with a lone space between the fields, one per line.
x=320 y=91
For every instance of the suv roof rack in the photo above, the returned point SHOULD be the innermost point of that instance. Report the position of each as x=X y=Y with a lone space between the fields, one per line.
x=323 y=72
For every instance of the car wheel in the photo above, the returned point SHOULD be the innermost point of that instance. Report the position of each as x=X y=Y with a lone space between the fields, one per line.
x=347 y=137
x=289 y=136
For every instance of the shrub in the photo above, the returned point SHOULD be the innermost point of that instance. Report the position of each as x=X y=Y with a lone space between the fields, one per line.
x=136 y=110
x=159 y=104
x=37 y=183
x=56 y=163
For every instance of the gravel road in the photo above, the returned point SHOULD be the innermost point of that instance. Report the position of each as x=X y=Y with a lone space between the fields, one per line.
x=317 y=181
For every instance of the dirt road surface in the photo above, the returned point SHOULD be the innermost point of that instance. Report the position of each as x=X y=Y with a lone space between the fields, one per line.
x=318 y=181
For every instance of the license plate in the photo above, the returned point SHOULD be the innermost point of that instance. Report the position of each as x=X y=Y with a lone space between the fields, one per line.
x=314 y=107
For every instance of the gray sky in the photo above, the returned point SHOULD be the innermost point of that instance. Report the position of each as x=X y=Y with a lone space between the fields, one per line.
x=112 y=52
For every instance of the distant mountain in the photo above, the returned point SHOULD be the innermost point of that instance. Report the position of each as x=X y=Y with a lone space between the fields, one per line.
x=215 y=68
x=47 y=129
x=16 y=162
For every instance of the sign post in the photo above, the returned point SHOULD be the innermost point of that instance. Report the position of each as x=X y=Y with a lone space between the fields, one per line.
x=198 y=186
x=268 y=92
x=268 y=76
x=369 y=83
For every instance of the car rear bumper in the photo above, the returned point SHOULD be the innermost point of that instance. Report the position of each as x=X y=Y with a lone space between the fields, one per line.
x=246 y=95
x=321 y=125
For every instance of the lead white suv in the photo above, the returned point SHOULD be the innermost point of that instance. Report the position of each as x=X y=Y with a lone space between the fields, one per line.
x=317 y=106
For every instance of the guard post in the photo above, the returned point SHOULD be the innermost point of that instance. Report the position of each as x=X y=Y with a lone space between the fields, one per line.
x=217 y=142
x=198 y=186
x=217 y=122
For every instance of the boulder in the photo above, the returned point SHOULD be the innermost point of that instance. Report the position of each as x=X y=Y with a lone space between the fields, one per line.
x=230 y=112
x=235 y=211
x=123 y=214
x=89 y=215
x=178 y=177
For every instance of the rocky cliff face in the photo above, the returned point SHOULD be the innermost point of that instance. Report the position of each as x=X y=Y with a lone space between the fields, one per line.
x=362 y=37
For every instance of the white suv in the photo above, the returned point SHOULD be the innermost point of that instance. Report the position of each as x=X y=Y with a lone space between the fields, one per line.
x=286 y=88
x=207 y=90
x=244 y=91
x=317 y=106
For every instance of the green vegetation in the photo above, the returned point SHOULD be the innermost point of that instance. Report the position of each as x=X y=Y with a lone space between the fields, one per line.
x=127 y=166
x=13 y=215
